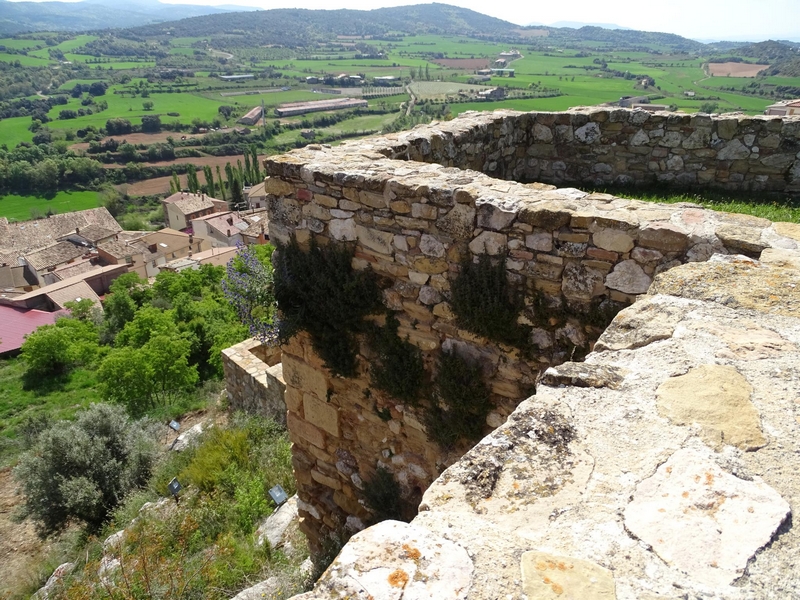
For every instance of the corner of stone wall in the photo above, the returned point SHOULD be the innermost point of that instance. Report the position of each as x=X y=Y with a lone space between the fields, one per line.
x=252 y=384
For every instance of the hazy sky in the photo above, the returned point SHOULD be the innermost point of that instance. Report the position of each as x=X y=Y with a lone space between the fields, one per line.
x=698 y=19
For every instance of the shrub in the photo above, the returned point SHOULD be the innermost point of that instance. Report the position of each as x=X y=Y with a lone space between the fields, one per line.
x=383 y=496
x=399 y=369
x=460 y=402
x=484 y=302
x=319 y=292
x=83 y=469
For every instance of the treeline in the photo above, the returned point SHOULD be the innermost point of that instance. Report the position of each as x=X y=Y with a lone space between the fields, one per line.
x=45 y=168
x=17 y=81
x=25 y=107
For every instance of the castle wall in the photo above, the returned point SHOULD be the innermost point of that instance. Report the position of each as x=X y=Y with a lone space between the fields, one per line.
x=602 y=146
x=254 y=379
x=413 y=223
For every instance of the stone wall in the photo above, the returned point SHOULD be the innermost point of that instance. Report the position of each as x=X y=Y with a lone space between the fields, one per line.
x=254 y=379
x=571 y=253
x=664 y=467
x=602 y=146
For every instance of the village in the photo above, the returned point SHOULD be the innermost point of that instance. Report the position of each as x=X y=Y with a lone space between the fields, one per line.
x=47 y=263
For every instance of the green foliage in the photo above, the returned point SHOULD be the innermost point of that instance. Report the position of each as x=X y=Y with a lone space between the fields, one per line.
x=460 y=402
x=222 y=451
x=82 y=469
x=399 y=369
x=148 y=376
x=485 y=303
x=53 y=350
x=319 y=292
x=383 y=496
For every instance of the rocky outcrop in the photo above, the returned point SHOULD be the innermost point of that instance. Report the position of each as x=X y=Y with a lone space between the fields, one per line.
x=665 y=466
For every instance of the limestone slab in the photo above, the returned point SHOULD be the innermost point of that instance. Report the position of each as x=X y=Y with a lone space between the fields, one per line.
x=703 y=520
x=628 y=277
x=394 y=560
x=552 y=577
x=717 y=398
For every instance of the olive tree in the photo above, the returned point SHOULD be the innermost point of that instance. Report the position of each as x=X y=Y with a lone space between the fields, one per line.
x=81 y=470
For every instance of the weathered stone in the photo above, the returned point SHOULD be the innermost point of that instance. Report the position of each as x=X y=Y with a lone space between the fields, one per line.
x=343 y=230
x=495 y=217
x=540 y=241
x=300 y=375
x=489 y=242
x=588 y=134
x=379 y=241
x=459 y=222
x=664 y=236
x=550 y=577
x=717 y=398
x=790 y=230
x=702 y=520
x=733 y=150
x=274 y=527
x=430 y=246
x=321 y=414
x=580 y=282
x=429 y=295
x=628 y=277
x=612 y=240
x=584 y=375
x=741 y=240
x=394 y=560
x=430 y=265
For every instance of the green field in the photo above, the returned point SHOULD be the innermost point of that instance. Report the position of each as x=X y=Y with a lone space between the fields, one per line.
x=19 y=208
x=13 y=131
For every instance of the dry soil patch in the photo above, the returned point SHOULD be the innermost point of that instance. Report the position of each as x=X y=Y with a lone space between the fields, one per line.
x=735 y=69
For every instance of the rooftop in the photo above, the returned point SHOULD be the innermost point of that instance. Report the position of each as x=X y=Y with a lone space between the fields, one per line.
x=57 y=254
x=16 y=323
x=23 y=237
x=73 y=292
x=193 y=204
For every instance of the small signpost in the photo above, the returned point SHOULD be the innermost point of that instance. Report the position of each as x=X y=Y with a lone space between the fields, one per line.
x=174 y=487
x=278 y=495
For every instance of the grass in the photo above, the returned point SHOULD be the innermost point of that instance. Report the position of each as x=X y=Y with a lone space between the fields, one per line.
x=19 y=208
x=773 y=210
x=56 y=399
x=15 y=130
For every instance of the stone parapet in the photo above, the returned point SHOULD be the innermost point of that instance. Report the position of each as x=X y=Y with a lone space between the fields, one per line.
x=612 y=146
x=665 y=466
x=254 y=379
x=575 y=257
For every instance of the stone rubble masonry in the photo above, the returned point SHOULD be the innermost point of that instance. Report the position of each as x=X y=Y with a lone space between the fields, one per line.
x=254 y=379
x=412 y=221
x=589 y=490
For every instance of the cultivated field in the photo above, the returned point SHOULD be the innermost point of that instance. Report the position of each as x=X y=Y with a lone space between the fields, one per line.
x=735 y=69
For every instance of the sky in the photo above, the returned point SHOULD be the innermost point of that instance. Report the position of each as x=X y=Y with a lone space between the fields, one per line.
x=735 y=20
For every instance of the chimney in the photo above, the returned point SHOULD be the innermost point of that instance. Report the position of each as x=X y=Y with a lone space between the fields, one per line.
x=191 y=239
x=230 y=220
x=77 y=231
x=229 y=233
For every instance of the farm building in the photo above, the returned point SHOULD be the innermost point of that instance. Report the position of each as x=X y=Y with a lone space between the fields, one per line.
x=301 y=108
x=493 y=93
x=252 y=117
x=236 y=77
x=792 y=107
x=503 y=72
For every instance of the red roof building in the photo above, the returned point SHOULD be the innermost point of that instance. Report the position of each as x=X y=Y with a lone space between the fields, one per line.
x=16 y=323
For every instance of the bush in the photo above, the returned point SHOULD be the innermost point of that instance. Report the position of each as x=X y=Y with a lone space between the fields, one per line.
x=460 y=402
x=399 y=369
x=319 y=292
x=382 y=496
x=484 y=302
x=83 y=469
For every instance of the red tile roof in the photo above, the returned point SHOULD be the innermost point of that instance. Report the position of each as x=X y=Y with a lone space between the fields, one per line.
x=16 y=323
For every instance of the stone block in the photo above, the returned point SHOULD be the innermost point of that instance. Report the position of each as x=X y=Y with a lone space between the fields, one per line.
x=300 y=375
x=321 y=414
x=300 y=428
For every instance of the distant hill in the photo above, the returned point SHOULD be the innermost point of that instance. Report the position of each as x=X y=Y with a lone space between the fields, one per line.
x=298 y=27
x=782 y=57
x=20 y=17
x=579 y=24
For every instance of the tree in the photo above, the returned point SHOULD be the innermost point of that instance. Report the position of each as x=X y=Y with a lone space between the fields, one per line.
x=148 y=105
x=47 y=351
x=151 y=124
x=98 y=88
x=191 y=179
x=83 y=469
x=249 y=287
x=709 y=107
